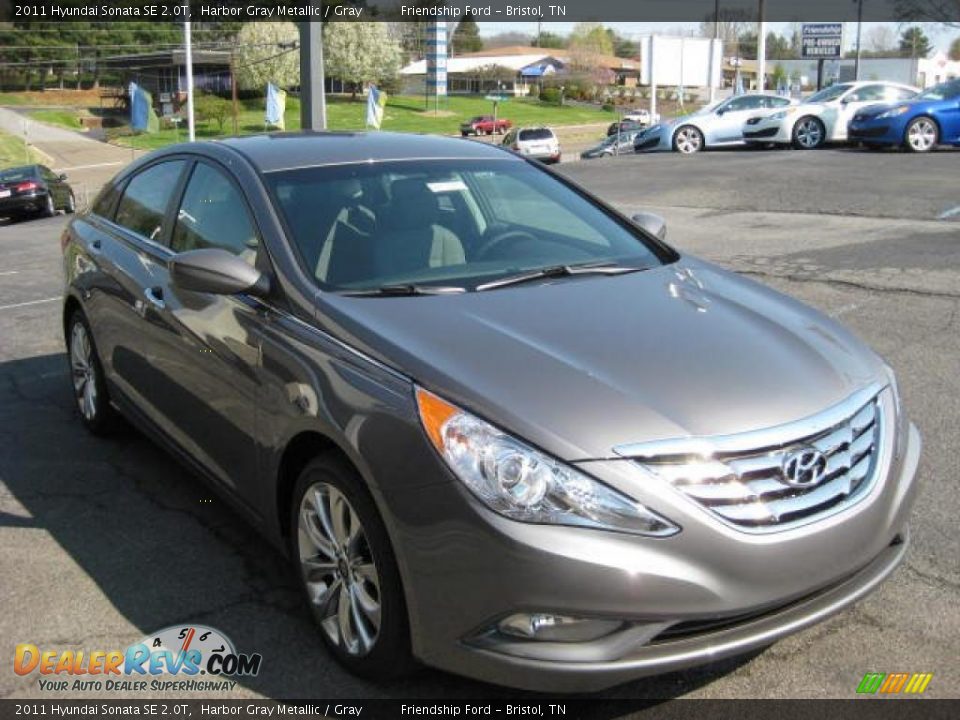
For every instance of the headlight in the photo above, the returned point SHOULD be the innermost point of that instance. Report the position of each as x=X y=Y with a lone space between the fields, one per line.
x=893 y=112
x=783 y=114
x=521 y=483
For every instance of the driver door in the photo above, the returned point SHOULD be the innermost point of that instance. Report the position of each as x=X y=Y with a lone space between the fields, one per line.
x=730 y=119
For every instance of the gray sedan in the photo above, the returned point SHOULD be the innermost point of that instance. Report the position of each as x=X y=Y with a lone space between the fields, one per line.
x=498 y=427
x=717 y=125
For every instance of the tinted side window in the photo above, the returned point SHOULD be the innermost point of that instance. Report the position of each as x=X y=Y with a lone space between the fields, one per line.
x=213 y=214
x=903 y=94
x=145 y=200
x=106 y=201
x=779 y=102
x=868 y=93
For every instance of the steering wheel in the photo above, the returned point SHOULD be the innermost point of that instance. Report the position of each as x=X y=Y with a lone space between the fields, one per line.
x=501 y=238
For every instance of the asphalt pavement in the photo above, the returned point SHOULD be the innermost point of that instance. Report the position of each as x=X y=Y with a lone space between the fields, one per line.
x=105 y=541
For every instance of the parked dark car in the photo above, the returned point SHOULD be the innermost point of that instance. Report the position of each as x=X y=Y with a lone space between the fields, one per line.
x=485 y=125
x=34 y=190
x=498 y=426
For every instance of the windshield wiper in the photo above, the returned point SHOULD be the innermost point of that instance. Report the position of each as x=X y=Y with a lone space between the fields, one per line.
x=405 y=291
x=558 y=271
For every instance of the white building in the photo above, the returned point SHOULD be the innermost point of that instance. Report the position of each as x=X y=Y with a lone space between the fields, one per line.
x=920 y=72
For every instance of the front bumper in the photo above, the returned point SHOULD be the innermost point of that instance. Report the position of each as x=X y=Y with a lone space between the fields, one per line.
x=873 y=131
x=707 y=593
x=768 y=131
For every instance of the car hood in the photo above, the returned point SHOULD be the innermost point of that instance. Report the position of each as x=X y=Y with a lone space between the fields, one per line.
x=580 y=365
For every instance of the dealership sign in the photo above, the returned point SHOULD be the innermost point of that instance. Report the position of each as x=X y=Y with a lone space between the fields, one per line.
x=822 y=40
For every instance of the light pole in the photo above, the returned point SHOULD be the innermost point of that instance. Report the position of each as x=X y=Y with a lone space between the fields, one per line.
x=856 y=64
x=188 y=42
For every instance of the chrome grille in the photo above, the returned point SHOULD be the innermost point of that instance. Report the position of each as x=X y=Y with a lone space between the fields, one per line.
x=742 y=480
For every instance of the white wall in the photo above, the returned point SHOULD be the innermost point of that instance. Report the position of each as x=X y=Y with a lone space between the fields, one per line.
x=687 y=61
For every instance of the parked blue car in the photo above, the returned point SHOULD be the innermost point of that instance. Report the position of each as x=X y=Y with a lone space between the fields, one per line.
x=931 y=118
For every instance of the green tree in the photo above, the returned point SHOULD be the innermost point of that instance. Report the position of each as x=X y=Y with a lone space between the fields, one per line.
x=552 y=40
x=623 y=47
x=360 y=52
x=954 y=51
x=779 y=47
x=266 y=54
x=915 y=43
x=211 y=107
x=466 y=38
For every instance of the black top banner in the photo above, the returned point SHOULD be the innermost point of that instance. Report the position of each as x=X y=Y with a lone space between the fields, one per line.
x=490 y=11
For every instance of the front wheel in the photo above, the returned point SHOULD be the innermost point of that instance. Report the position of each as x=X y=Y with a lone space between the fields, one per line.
x=688 y=140
x=809 y=133
x=348 y=570
x=922 y=135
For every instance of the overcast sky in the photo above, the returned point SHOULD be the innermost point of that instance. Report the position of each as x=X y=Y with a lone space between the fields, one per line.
x=941 y=40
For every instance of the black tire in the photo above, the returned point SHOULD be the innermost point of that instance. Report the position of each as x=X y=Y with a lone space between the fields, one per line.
x=49 y=208
x=71 y=207
x=463 y=134
x=101 y=418
x=390 y=655
x=922 y=135
x=809 y=133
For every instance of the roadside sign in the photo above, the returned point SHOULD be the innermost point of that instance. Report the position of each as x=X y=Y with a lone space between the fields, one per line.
x=821 y=41
x=495 y=98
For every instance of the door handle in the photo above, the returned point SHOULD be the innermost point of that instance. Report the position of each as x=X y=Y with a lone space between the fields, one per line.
x=155 y=296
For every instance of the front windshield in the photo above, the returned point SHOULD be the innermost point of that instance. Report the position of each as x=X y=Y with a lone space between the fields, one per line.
x=827 y=94
x=944 y=91
x=366 y=226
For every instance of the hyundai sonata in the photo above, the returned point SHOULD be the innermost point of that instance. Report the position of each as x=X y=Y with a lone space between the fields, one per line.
x=499 y=427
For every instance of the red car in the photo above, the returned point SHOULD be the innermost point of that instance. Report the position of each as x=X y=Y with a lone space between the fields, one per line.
x=484 y=125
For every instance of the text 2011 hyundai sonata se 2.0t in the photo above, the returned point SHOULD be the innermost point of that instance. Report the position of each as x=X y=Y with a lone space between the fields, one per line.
x=500 y=428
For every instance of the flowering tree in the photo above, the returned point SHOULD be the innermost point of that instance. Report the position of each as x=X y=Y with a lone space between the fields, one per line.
x=266 y=52
x=360 y=52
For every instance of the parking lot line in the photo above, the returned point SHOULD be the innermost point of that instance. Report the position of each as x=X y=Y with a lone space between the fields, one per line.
x=30 y=302
x=9 y=272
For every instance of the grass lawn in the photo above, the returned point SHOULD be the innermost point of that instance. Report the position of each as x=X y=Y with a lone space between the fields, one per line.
x=63 y=118
x=13 y=152
x=402 y=114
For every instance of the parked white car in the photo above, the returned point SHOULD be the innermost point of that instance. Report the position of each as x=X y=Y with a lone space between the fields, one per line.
x=824 y=116
x=639 y=116
x=540 y=143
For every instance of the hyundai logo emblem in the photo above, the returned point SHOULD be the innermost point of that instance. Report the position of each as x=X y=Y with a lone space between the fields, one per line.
x=804 y=468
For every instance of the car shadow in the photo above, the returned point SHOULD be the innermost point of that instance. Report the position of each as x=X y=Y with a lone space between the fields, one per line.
x=161 y=549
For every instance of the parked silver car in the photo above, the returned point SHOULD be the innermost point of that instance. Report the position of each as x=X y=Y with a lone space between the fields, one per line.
x=717 y=125
x=538 y=143
x=497 y=426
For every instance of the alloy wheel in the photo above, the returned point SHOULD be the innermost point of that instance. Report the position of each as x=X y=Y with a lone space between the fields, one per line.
x=338 y=569
x=809 y=133
x=84 y=371
x=689 y=140
x=921 y=135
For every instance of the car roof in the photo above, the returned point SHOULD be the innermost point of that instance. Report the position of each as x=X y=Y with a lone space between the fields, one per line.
x=288 y=151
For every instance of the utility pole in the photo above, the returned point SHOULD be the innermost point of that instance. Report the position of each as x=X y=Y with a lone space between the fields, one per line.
x=856 y=64
x=762 y=48
x=713 y=51
x=313 y=100
x=188 y=42
x=233 y=87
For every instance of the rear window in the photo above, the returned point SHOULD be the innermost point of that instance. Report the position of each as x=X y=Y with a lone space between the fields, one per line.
x=537 y=134
x=17 y=174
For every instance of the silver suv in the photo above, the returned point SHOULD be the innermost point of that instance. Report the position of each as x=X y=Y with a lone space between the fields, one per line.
x=498 y=427
x=539 y=143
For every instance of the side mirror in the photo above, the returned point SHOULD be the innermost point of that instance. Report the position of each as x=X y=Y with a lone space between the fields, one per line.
x=652 y=223
x=216 y=271
x=63 y=176
x=720 y=111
